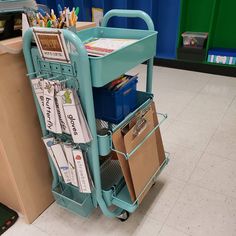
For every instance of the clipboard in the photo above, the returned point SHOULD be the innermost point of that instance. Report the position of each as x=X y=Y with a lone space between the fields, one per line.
x=142 y=165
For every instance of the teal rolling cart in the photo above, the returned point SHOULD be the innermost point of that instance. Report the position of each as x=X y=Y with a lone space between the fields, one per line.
x=84 y=73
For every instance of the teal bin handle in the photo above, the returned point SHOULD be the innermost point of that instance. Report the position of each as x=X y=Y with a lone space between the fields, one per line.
x=128 y=13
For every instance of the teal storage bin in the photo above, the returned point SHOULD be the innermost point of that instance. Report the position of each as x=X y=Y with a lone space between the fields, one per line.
x=103 y=69
x=69 y=197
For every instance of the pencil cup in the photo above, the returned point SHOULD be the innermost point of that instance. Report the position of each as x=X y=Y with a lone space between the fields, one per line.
x=104 y=142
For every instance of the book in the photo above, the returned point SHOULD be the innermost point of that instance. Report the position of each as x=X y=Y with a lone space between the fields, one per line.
x=104 y=46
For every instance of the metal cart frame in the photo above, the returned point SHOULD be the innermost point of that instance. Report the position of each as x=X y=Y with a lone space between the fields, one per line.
x=81 y=63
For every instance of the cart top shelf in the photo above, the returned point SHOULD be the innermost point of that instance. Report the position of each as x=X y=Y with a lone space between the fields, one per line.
x=106 y=68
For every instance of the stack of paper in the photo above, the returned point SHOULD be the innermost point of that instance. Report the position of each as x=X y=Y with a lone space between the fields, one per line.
x=104 y=46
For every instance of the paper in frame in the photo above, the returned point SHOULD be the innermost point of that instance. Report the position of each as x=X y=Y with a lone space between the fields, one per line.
x=51 y=44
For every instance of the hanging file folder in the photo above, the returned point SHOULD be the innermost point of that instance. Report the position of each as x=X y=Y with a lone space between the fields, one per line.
x=75 y=118
x=62 y=162
x=81 y=168
x=71 y=164
x=48 y=143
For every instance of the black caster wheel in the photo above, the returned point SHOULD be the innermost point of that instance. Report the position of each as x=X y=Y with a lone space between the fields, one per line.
x=123 y=216
x=154 y=183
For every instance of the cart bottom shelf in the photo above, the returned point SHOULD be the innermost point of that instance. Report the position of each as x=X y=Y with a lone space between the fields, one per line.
x=123 y=200
x=119 y=196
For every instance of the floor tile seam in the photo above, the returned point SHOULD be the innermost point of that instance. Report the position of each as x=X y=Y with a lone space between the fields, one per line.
x=210 y=80
x=200 y=157
x=40 y=229
x=166 y=218
x=177 y=229
x=179 y=89
x=228 y=107
x=176 y=178
x=220 y=156
x=203 y=153
x=186 y=105
x=212 y=191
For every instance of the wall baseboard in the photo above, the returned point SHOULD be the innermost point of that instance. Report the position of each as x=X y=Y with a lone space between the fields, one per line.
x=199 y=67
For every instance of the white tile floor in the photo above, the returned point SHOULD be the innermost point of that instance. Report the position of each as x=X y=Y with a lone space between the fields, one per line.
x=196 y=193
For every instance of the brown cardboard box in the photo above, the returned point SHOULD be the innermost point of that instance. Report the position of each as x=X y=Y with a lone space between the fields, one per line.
x=143 y=164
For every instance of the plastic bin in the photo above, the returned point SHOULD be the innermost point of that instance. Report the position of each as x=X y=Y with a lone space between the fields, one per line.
x=113 y=106
x=71 y=198
x=194 y=39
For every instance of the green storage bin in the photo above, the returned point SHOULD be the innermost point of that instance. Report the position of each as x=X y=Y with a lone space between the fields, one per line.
x=69 y=197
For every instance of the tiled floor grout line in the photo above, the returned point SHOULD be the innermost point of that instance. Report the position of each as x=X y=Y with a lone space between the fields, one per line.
x=187 y=182
x=173 y=227
x=192 y=99
x=210 y=139
x=47 y=233
x=163 y=224
x=166 y=218
x=204 y=151
x=210 y=190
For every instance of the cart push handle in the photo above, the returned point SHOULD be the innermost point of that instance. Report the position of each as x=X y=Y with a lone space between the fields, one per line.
x=128 y=13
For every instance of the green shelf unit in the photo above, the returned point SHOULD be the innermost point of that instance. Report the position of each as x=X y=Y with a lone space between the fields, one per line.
x=223 y=33
x=217 y=17
x=196 y=16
